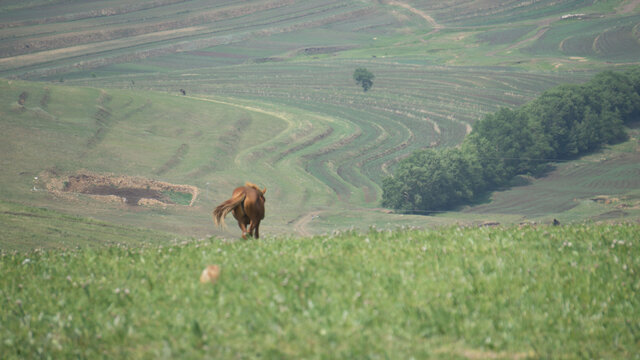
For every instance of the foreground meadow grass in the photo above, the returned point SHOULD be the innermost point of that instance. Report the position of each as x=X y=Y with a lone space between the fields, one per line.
x=514 y=293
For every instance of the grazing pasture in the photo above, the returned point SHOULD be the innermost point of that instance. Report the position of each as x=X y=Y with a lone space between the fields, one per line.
x=192 y=92
x=450 y=292
x=25 y=228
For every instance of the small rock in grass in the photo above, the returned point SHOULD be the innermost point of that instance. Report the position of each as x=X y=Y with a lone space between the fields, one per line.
x=210 y=274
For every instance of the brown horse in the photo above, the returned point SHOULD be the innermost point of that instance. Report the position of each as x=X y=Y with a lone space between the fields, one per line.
x=247 y=204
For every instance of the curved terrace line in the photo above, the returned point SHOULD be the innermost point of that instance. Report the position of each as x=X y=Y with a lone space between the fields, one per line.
x=418 y=12
x=280 y=115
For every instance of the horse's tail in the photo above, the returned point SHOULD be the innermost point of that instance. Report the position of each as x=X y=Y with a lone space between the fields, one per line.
x=226 y=207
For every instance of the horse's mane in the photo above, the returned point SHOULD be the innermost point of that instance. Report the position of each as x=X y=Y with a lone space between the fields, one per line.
x=252 y=185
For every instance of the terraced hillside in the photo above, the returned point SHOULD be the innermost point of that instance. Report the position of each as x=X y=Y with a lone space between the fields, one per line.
x=211 y=94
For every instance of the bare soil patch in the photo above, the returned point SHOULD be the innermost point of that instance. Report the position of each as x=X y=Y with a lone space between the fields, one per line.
x=134 y=191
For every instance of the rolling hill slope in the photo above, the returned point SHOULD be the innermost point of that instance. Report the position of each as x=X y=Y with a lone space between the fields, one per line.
x=213 y=94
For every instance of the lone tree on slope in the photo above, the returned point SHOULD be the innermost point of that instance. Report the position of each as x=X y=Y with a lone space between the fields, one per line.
x=364 y=78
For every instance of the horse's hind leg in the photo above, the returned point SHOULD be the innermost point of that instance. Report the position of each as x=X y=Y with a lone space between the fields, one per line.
x=243 y=227
x=258 y=230
x=254 y=229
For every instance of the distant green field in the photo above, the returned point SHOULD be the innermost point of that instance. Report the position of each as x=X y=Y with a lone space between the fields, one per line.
x=451 y=292
x=600 y=186
x=269 y=98
x=614 y=39
x=26 y=228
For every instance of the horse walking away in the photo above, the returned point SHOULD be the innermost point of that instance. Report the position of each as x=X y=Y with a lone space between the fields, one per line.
x=247 y=205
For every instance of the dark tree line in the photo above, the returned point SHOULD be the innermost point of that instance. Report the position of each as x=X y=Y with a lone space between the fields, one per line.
x=562 y=123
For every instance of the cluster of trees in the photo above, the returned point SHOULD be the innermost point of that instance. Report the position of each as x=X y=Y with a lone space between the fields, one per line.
x=562 y=123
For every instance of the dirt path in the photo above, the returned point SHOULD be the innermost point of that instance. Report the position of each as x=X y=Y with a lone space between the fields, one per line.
x=537 y=36
x=301 y=226
x=418 y=12
x=628 y=7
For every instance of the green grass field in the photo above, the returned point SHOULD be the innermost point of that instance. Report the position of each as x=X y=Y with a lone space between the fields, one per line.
x=458 y=293
x=203 y=96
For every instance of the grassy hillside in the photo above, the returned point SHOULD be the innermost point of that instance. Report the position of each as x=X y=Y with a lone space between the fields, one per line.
x=599 y=186
x=460 y=293
x=25 y=228
x=60 y=131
